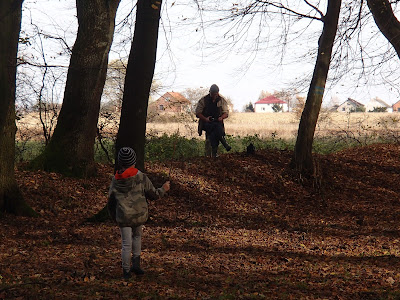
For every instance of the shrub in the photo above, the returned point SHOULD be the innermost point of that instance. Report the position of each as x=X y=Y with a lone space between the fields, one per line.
x=173 y=147
x=177 y=147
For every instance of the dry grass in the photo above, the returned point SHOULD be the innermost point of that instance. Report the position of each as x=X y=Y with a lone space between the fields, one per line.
x=238 y=124
x=285 y=125
x=282 y=125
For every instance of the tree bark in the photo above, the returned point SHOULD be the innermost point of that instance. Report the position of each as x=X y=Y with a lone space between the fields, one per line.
x=11 y=199
x=139 y=76
x=386 y=21
x=138 y=79
x=71 y=148
x=302 y=159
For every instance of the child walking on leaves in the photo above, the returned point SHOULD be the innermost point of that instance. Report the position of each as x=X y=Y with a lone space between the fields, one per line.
x=127 y=205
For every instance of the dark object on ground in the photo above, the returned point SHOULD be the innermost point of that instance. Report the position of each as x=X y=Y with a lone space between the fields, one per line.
x=250 y=149
x=127 y=274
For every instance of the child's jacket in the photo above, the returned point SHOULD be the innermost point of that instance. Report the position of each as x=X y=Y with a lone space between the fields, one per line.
x=127 y=197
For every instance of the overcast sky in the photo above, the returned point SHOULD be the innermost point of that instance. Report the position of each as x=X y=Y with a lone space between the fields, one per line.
x=194 y=52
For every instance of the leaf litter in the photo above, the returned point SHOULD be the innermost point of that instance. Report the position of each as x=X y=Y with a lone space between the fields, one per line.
x=238 y=227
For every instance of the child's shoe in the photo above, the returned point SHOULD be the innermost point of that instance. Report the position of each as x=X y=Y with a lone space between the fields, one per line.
x=127 y=274
x=136 y=266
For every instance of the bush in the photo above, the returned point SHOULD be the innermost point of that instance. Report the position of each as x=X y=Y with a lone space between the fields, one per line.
x=27 y=150
x=173 y=147
x=104 y=152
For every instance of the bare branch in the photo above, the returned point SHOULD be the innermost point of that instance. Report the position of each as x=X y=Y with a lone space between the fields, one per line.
x=316 y=8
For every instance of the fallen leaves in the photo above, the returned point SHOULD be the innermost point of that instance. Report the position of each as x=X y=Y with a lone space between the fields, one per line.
x=238 y=227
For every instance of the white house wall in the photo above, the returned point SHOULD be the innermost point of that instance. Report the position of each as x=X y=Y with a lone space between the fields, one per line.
x=267 y=108
x=346 y=107
x=374 y=104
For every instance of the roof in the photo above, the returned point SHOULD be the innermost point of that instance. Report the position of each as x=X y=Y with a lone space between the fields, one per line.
x=356 y=103
x=270 y=100
x=380 y=101
x=174 y=97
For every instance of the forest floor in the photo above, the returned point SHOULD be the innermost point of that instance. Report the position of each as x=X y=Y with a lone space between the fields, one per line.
x=238 y=227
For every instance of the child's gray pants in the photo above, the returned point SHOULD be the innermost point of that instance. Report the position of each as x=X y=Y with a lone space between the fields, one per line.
x=131 y=242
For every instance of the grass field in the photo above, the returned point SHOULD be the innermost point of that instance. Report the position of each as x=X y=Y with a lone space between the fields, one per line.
x=285 y=125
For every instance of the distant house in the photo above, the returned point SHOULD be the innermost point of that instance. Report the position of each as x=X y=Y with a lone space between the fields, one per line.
x=171 y=102
x=396 y=107
x=377 y=104
x=350 y=105
x=270 y=104
x=334 y=108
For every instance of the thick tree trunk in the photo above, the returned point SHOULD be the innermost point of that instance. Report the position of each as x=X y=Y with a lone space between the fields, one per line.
x=302 y=159
x=138 y=79
x=386 y=21
x=139 y=76
x=11 y=199
x=71 y=148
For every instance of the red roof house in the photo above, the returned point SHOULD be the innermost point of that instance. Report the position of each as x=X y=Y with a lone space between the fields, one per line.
x=270 y=104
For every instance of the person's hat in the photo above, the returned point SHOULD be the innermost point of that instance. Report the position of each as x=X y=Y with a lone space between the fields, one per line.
x=214 y=88
x=126 y=157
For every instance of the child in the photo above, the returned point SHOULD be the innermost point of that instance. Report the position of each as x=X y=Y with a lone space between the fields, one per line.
x=128 y=206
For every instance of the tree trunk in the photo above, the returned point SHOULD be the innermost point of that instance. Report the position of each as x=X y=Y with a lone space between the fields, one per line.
x=138 y=79
x=11 y=199
x=139 y=76
x=386 y=21
x=71 y=148
x=302 y=158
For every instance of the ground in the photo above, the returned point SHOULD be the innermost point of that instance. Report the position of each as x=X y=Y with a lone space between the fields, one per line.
x=239 y=227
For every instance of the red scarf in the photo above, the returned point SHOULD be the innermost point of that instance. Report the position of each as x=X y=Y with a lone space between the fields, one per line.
x=130 y=172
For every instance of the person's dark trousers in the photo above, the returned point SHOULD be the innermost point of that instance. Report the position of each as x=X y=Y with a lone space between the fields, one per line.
x=216 y=133
x=207 y=146
x=225 y=144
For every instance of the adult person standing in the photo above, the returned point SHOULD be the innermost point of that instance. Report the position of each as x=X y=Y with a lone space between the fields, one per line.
x=211 y=110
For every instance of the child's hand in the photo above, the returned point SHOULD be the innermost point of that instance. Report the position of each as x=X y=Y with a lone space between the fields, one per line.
x=166 y=186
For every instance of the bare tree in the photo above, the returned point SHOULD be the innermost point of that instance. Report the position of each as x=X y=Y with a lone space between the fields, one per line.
x=138 y=80
x=71 y=148
x=194 y=95
x=302 y=158
x=114 y=85
x=263 y=94
x=288 y=95
x=11 y=199
x=110 y=110
x=386 y=21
